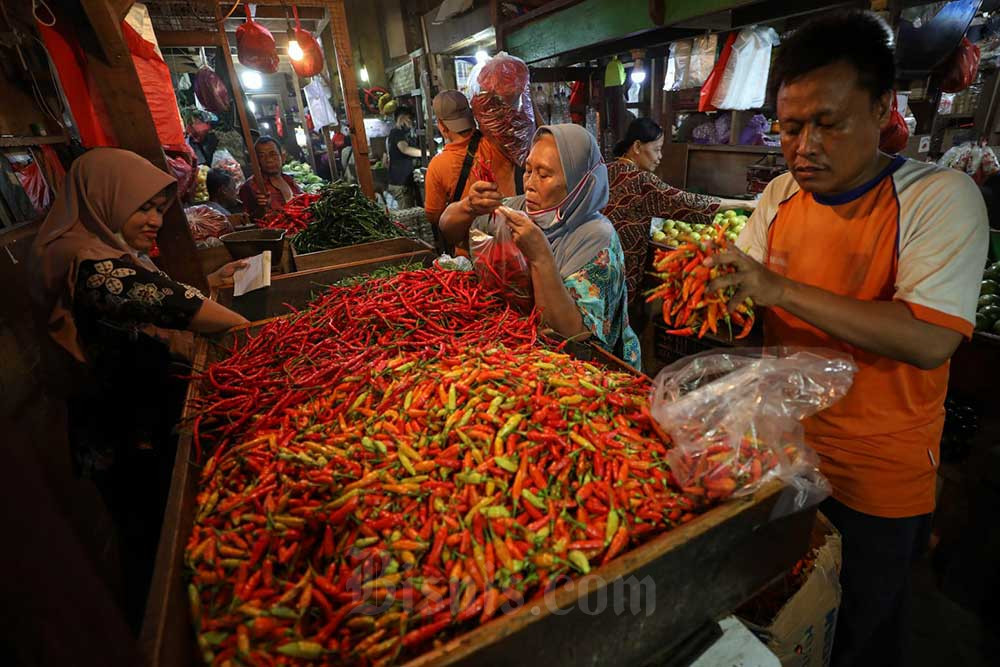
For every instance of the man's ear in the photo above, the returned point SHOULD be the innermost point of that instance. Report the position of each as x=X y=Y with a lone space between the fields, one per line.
x=883 y=106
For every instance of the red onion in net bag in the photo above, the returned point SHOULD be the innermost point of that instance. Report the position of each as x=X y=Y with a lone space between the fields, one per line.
x=211 y=91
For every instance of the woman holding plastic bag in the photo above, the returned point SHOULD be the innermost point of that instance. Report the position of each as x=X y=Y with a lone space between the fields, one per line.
x=569 y=252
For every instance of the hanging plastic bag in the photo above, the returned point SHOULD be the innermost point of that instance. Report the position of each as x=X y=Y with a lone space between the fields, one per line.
x=702 y=60
x=734 y=419
x=255 y=46
x=715 y=78
x=311 y=62
x=961 y=68
x=210 y=91
x=896 y=133
x=500 y=265
x=223 y=159
x=206 y=223
x=744 y=77
x=503 y=106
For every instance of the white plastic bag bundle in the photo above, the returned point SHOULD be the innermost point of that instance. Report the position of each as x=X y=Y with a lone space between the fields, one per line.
x=734 y=419
x=690 y=62
x=744 y=81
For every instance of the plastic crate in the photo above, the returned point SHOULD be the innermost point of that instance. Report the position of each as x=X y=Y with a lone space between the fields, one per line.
x=668 y=348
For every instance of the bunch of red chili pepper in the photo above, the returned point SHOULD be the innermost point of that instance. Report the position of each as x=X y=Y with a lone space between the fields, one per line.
x=431 y=312
x=401 y=461
x=294 y=217
x=687 y=307
x=416 y=497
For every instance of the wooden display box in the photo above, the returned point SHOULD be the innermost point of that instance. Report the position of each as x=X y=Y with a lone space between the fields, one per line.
x=675 y=583
x=212 y=259
x=397 y=248
x=298 y=289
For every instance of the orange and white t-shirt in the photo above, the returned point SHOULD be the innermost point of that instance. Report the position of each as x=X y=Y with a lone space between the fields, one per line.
x=917 y=234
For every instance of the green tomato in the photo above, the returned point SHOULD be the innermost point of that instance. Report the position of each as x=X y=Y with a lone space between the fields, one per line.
x=989 y=287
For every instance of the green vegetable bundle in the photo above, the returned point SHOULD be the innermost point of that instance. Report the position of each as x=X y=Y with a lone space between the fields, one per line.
x=343 y=216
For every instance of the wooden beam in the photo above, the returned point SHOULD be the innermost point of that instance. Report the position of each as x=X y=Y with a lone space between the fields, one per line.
x=557 y=74
x=349 y=88
x=122 y=8
x=196 y=38
x=134 y=129
x=106 y=24
x=240 y=98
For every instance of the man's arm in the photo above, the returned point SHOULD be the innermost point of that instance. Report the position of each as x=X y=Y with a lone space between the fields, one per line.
x=457 y=219
x=407 y=149
x=886 y=328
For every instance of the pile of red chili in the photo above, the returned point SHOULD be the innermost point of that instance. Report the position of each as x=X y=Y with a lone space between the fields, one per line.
x=401 y=462
x=294 y=217
x=687 y=309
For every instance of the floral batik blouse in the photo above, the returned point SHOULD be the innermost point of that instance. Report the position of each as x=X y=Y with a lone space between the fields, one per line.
x=599 y=291
x=116 y=306
x=635 y=197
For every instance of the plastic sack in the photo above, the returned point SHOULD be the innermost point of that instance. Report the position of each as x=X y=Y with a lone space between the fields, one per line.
x=896 y=133
x=744 y=77
x=715 y=78
x=157 y=87
x=508 y=128
x=961 y=68
x=504 y=75
x=33 y=182
x=223 y=159
x=206 y=223
x=703 y=50
x=500 y=265
x=448 y=263
x=311 y=62
x=211 y=91
x=182 y=170
x=754 y=131
x=503 y=108
x=734 y=419
x=255 y=46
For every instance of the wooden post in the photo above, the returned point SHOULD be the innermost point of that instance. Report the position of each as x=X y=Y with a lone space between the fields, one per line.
x=132 y=122
x=349 y=88
x=239 y=99
x=299 y=105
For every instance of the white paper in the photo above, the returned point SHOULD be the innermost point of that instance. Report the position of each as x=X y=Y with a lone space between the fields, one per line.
x=256 y=275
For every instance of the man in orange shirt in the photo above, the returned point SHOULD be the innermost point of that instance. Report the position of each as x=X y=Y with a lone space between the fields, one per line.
x=449 y=175
x=879 y=257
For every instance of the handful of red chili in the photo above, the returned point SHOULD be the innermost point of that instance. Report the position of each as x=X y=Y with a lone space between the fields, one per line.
x=401 y=462
x=687 y=309
x=294 y=217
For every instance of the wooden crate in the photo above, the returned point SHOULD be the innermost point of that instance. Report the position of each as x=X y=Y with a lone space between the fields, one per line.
x=297 y=289
x=698 y=572
x=391 y=248
x=213 y=258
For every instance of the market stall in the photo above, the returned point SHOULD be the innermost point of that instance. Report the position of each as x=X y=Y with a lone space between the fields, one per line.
x=712 y=555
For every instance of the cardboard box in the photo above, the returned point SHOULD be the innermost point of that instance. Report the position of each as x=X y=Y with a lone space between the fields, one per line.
x=801 y=633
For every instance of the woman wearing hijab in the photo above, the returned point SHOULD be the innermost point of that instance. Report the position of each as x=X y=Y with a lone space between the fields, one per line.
x=574 y=255
x=112 y=318
x=637 y=195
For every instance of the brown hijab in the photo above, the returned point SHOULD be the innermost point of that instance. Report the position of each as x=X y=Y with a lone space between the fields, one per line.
x=103 y=188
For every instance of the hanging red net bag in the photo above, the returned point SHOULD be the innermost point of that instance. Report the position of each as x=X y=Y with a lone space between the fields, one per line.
x=255 y=46
x=311 y=62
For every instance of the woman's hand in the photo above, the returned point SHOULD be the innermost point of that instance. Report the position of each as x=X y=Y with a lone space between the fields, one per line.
x=223 y=277
x=483 y=198
x=751 y=278
x=528 y=236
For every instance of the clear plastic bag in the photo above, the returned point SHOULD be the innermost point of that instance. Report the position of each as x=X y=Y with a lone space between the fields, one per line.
x=734 y=417
x=503 y=108
x=500 y=265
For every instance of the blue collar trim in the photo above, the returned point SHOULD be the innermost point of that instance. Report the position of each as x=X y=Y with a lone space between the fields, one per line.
x=861 y=190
